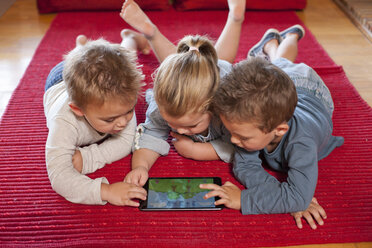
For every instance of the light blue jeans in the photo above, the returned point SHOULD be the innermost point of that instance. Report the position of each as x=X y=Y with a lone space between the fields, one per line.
x=55 y=76
x=305 y=78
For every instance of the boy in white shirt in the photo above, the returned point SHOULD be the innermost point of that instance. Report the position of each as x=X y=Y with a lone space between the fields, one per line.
x=89 y=105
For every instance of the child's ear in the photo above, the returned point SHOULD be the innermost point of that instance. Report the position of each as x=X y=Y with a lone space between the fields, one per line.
x=281 y=129
x=77 y=111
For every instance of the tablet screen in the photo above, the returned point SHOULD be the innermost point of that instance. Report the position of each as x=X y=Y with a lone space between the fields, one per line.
x=178 y=194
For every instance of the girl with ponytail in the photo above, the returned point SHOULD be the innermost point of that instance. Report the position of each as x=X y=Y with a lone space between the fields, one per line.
x=184 y=84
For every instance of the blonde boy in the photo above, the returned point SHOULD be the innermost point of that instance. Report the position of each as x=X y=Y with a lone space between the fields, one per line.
x=91 y=122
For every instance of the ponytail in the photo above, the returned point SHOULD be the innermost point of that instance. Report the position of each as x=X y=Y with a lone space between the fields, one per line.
x=200 y=45
x=186 y=81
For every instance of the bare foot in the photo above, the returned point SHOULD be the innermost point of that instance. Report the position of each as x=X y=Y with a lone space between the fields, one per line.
x=134 y=16
x=236 y=9
x=81 y=40
x=142 y=43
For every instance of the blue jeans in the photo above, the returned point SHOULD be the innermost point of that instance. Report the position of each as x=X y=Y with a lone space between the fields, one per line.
x=305 y=78
x=55 y=75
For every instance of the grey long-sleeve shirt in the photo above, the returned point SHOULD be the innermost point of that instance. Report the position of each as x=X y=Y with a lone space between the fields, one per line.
x=308 y=140
x=67 y=132
x=154 y=132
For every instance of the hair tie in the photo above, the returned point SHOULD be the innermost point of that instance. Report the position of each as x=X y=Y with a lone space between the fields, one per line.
x=193 y=48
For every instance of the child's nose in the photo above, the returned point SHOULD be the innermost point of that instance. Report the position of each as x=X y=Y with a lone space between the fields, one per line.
x=122 y=122
x=181 y=130
x=234 y=140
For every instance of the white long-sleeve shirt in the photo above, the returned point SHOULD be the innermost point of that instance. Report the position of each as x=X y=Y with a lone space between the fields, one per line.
x=68 y=132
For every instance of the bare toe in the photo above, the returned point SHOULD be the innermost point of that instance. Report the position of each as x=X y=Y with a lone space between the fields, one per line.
x=81 y=40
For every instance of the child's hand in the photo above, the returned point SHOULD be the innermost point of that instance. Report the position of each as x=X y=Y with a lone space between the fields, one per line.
x=314 y=211
x=229 y=193
x=183 y=144
x=77 y=161
x=137 y=176
x=121 y=194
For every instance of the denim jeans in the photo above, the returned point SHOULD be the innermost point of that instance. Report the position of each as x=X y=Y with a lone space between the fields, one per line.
x=305 y=78
x=55 y=76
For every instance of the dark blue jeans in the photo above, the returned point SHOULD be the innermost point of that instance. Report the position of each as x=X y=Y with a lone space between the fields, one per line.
x=55 y=76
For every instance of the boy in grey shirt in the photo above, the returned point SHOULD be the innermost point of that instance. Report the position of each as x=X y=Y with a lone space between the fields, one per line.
x=283 y=112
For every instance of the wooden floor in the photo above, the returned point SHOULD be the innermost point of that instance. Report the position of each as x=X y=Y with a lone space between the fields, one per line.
x=345 y=43
x=22 y=28
x=360 y=12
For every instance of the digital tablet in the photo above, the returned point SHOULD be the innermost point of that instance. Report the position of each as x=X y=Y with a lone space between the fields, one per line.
x=178 y=193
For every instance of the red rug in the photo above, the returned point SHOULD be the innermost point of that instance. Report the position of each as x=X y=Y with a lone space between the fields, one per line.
x=33 y=215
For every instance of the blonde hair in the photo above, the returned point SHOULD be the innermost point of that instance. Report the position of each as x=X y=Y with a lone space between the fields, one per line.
x=257 y=92
x=186 y=81
x=100 y=70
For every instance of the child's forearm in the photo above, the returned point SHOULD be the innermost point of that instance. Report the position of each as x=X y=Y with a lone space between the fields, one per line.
x=144 y=158
x=204 y=151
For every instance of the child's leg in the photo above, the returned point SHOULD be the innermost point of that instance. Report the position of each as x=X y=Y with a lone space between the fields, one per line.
x=271 y=48
x=134 y=41
x=134 y=16
x=288 y=48
x=228 y=42
x=267 y=46
x=55 y=75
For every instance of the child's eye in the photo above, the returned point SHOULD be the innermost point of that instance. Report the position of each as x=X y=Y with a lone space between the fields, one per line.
x=129 y=112
x=109 y=120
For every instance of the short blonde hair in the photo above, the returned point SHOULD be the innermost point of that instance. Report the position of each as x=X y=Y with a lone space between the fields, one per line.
x=100 y=70
x=186 y=81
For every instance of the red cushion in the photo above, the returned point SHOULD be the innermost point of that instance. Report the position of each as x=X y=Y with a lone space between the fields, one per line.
x=251 y=4
x=48 y=6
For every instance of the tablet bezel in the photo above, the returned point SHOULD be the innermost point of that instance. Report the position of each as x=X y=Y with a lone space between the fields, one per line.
x=143 y=204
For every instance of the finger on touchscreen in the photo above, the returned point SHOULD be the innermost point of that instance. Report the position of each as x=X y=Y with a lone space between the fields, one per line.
x=211 y=194
x=215 y=193
x=209 y=186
